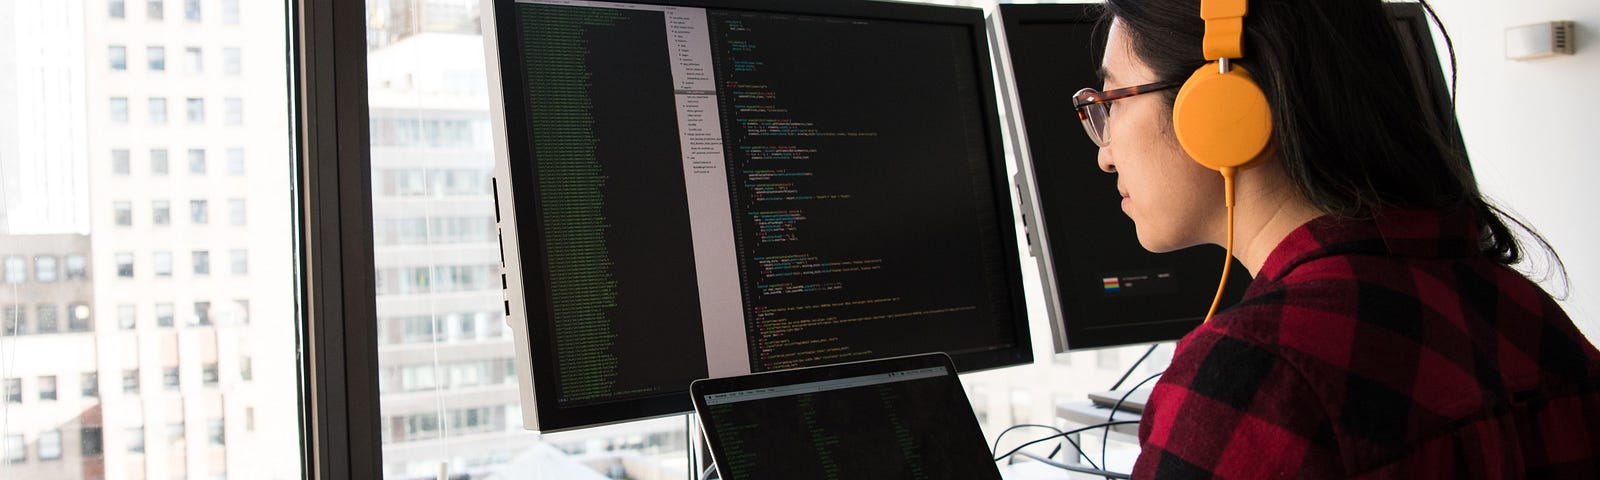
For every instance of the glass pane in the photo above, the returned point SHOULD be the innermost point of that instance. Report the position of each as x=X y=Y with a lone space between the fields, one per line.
x=448 y=386
x=111 y=307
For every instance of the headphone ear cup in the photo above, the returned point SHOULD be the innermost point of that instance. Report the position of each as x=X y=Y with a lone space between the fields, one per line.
x=1222 y=119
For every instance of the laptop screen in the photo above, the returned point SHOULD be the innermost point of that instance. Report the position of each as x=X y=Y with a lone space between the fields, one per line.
x=898 y=418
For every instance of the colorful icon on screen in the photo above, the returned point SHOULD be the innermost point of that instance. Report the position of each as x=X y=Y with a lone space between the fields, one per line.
x=1111 y=284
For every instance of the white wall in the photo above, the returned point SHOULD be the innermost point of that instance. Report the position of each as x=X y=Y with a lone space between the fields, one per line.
x=1530 y=127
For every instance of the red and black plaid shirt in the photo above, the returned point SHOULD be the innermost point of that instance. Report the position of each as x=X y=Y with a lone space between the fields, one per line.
x=1387 y=348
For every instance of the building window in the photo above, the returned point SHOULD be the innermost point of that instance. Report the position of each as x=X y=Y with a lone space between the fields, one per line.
x=119 y=57
x=197 y=212
x=194 y=62
x=164 y=314
x=236 y=161
x=202 y=262
x=158 y=110
x=197 y=161
x=127 y=316
x=232 y=61
x=119 y=110
x=154 y=10
x=77 y=267
x=233 y=112
x=208 y=375
x=202 y=314
x=78 y=318
x=92 y=445
x=50 y=445
x=46 y=270
x=160 y=212
x=91 y=385
x=236 y=211
x=175 y=433
x=122 y=213
x=156 y=58
x=120 y=162
x=162 y=261
x=15 y=324
x=169 y=378
x=16 y=449
x=130 y=381
x=215 y=432
x=48 y=321
x=197 y=110
x=158 y=161
x=47 y=388
x=239 y=262
x=246 y=369
x=230 y=12
x=135 y=440
x=242 y=309
x=116 y=9
x=191 y=10
x=124 y=265
x=13 y=390
x=16 y=269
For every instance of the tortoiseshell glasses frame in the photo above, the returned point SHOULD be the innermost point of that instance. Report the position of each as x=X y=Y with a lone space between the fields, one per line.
x=1093 y=106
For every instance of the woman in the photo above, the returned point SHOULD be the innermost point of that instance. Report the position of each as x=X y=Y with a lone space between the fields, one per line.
x=1384 y=334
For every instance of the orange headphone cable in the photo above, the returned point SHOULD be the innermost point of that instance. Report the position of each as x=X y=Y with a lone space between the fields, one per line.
x=1227 y=258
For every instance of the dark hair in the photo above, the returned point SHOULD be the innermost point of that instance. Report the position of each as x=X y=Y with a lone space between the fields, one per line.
x=1349 y=125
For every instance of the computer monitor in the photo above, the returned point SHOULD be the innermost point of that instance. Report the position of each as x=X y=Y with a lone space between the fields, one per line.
x=1102 y=289
x=689 y=189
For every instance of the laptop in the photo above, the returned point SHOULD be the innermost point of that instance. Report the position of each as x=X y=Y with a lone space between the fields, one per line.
x=1130 y=402
x=897 y=418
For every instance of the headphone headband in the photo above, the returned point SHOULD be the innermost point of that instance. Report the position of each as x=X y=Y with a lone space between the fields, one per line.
x=1224 y=28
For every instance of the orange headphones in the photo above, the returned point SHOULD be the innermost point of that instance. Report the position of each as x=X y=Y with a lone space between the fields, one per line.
x=1221 y=116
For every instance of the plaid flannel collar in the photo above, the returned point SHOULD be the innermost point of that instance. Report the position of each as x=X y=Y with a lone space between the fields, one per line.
x=1421 y=233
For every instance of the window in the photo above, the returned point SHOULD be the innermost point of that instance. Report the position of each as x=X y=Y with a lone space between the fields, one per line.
x=130 y=381
x=120 y=163
x=164 y=314
x=175 y=433
x=208 y=375
x=169 y=378
x=202 y=314
x=78 y=318
x=47 y=388
x=77 y=267
x=48 y=320
x=122 y=213
x=193 y=61
x=236 y=211
x=197 y=212
x=158 y=161
x=230 y=12
x=197 y=161
x=124 y=265
x=215 y=432
x=154 y=10
x=191 y=10
x=235 y=161
x=162 y=263
x=233 y=113
x=16 y=449
x=50 y=445
x=135 y=439
x=45 y=269
x=127 y=316
x=118 y=55
x=14 y=322
x=158 y=110
x=92 y=445
x=160 y=212
x=119 y=110
x=116 y=9
x=239 y=261
x=16 y=269
x=246 y=369
x=13 y=390
x=242 y=310
x=156 y=58
x=90 y=384
x=202 y=262
x=196 y=110
x=232 y=61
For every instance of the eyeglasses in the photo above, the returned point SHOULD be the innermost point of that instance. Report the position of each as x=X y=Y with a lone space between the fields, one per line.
x=1095 y=106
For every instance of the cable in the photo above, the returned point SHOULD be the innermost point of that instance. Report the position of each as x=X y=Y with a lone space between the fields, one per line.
x=1136 y=365
x=1227 y=258
x=705 y=474
x=996 y=448
x=1074 y=468
x=1062 y=434
x=1106 y=436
